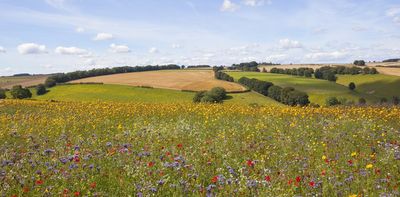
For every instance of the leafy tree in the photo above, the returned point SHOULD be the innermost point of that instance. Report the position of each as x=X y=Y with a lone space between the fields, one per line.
x=2 y=94
x=373 y=71
x=329 y=75
x=208 y=99
x=332 y=101
x=50 y=82
x=318 y=74
x=41 y=89
x=285 y=98
x=217 y=93
x=352 y=86
x=308 y=73
x=18 y=92
x=298 y=98
x=359 y=63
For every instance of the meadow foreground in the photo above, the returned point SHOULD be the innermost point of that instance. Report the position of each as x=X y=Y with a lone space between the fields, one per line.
x=111 y=149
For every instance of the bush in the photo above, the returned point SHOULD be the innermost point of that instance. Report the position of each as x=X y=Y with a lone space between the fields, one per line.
x=41 y=89
x=318 y=74
x=223 y=76
x=332 y=101
x=285 y=95
x=256 y=85
x=197 y=97
x=362 y=101
x=352 y=86
x=329 y=75
x=298 y=98
x=275 y=92
x=18 y=92
x=215 y=95
x=2 y=94
x=50 y=82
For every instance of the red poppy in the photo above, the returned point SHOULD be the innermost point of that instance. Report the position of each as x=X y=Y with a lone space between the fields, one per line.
x=168 y=153
x=214 y=179
x=93 y=185
x=14 y=195
x=150 y=164
x=250 y=163
x=25 y=190
x=179 y=145
x=268 y=178
x=311 y=183
x=76 y=159
x=66 y=191
x=298 y=179
x=39 y=182
x=323 y=173
x=350 y=162
x=290 y=181
x=77 y=193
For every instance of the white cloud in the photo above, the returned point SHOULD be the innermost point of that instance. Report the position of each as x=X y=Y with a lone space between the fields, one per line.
x=228 y=5
x=80 y=29
x=254 y=3
x=290 y=44
x=90 y=62
x=326 y=56
x=153 y=50
x=394 y=13
x=70 y=51
x=31 y=48
x=2 y=49
x=176 y=46
x=103 y=36
x=56 y=3
x=119 y=48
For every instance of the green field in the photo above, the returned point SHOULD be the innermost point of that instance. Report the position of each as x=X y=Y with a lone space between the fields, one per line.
x=320 y=90
x=121 y=93
x=378 y=86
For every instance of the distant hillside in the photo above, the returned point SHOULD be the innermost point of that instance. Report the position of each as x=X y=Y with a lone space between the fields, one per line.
x=392 y=60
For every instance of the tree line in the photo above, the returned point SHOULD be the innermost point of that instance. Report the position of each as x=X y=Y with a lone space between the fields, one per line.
x=245 y=66
x=19 y=92
x=287 y=95
x=65 y=77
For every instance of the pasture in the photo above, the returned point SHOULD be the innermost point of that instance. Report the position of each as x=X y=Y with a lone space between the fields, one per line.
x=110 y=149
x=194 y=80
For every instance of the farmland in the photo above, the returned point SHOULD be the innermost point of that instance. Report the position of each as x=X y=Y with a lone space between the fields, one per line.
x=195 y=80
x=9 y=82
x=370 y=87
x=103 y=149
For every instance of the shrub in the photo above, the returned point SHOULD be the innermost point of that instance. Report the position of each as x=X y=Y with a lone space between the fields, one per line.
x=332 y=101
x=308 y=73
x=275 y=92
x=318 y=74
x=329 y=75
x=18 y=92
x=217 y=93
x=223 y=76
x=50 y=82
x=285 y=95
x=298 y=98
x=362 y=101
x=2 y=94
x=208 y=99
x=41 y=89
x=197 y=97
x=256 y=85
x=352 y=86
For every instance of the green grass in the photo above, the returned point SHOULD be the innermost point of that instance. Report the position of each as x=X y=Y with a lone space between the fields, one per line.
x=121 y=93
x=318 y=90
x=377 y=86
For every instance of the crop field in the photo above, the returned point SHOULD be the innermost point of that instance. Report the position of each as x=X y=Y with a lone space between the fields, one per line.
x=318 y=90
x=129 y=94
x=109 y=149
x=9 y=82
x=195 y=80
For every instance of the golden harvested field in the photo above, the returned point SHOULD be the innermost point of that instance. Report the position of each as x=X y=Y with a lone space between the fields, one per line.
x=26 y=81
x=195 y=80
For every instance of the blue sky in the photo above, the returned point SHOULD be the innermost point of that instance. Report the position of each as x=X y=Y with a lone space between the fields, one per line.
x=45 y=36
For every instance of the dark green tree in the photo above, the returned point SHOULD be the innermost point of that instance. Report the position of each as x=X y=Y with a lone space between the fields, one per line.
x=2 y=94
x=18 y=92
x=50 y=82
x=41 y=89
x=352 y=86
x=362 y=101
x=332 y=101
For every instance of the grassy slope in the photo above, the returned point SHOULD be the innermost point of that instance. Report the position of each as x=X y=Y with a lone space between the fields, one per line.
x=121 y=93
x=378 y=86
x=318 y=90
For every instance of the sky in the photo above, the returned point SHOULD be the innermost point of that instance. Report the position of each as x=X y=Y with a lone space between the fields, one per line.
x=48 y=36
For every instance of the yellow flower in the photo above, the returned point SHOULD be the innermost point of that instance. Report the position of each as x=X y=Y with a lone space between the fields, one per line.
x=353 y=154
x=323 y=157
x=353 y=195
x=369 y=166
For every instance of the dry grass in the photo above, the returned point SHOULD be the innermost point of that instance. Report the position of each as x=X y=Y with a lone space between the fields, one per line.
x=26 y=81
x=195 y=80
